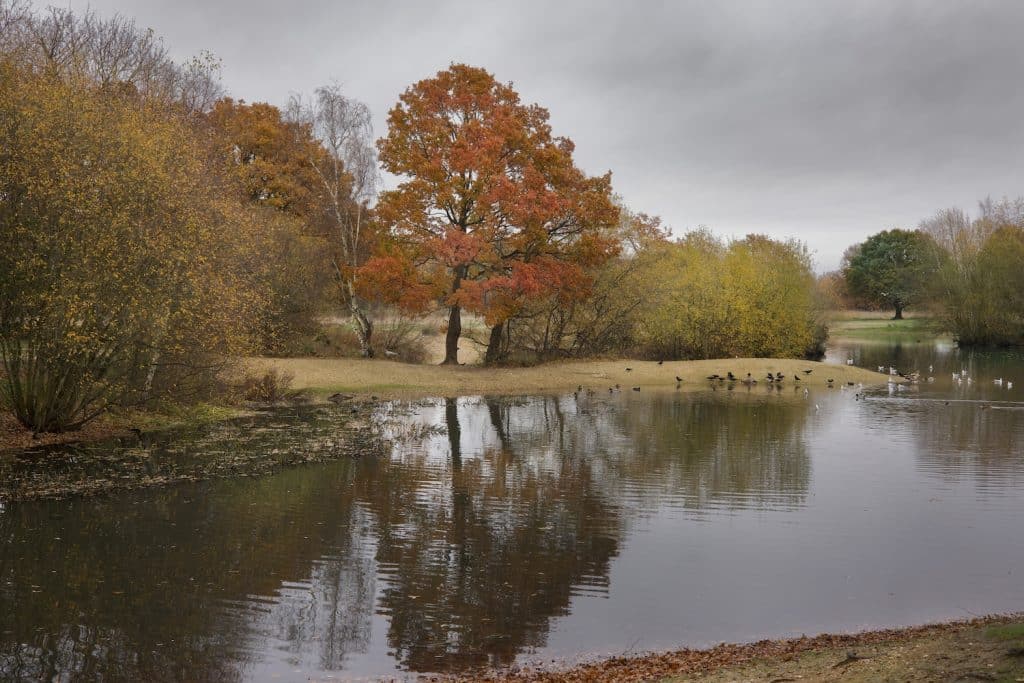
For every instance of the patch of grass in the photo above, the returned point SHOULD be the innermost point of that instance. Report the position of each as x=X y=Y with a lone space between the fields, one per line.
x=389 y=379
x=864 y=314
x=329 y=390
x=173 y=415
x=1006 y=632
x=885 y=328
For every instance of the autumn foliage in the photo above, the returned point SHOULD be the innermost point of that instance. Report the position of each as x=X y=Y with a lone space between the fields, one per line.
x=153 y=228
x=491 y=209
x=121 y=262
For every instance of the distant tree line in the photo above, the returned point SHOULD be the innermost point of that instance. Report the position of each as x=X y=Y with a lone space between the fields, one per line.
x=969 y=271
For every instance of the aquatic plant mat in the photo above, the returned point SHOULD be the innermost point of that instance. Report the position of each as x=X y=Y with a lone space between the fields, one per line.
x=256 y=444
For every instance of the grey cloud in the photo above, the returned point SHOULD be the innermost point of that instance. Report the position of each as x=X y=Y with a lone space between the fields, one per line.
x=824 y=121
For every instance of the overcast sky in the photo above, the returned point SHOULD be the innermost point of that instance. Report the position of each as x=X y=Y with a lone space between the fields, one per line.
x=823 y=121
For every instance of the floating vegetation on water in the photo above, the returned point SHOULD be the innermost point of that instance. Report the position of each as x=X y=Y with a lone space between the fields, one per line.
x=246 y=446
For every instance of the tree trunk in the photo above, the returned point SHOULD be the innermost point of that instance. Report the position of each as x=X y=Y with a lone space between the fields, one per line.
x=451 y=340
x=494 y=354
x=364 y=329
x=899 y=312
x=364 y=326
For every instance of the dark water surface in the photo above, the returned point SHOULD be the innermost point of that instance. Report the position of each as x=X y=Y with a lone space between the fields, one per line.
x=543 y=527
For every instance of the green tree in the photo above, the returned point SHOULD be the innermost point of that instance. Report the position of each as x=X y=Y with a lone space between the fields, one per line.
x=893 y=268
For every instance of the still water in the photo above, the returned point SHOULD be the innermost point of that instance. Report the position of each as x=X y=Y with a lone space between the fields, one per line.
x=503 y=530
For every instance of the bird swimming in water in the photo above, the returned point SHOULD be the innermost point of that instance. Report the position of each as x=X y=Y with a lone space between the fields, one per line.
x=636 y=388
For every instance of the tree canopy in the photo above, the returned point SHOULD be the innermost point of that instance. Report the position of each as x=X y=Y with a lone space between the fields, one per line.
x=893 y=268
x=491 y=207
x=982 y=277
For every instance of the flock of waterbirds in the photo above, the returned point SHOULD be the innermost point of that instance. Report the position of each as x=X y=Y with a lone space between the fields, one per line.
x=729 y=380
x=776 y=380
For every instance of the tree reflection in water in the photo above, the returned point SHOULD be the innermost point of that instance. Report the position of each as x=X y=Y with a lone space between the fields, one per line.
x=468 y=542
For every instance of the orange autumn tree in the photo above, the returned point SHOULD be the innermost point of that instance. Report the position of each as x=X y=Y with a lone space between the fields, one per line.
x=492 y=210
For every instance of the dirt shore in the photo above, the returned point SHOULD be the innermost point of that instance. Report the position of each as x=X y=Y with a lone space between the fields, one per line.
x=982 y=649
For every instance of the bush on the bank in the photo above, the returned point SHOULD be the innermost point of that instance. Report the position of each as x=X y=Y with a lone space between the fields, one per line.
x=121 y=271
x=711 y=299
x=270 y=387
x=698 y=297
x=980 y=287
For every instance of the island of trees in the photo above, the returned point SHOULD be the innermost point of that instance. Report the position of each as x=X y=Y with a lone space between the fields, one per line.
x=155 y=229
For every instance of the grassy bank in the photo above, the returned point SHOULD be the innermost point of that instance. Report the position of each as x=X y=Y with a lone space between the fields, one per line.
x=879 y=326
x=322 y=377
x=985 y=649
x=388 y=379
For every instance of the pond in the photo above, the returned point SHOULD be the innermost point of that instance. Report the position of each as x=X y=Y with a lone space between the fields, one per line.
x=501 y=530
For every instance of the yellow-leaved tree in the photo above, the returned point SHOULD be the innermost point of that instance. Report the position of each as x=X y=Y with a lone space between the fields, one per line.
x=120 y=275
x=711 y=299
